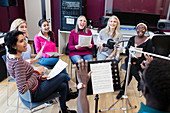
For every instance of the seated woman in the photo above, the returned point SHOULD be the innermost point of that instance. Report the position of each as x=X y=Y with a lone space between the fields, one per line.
x=111 y=31
x=76 y=51
x=21 y=25
x=29 y=79
x=139 y=41
x=45 y=35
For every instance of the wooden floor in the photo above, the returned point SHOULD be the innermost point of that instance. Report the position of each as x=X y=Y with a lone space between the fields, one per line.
x=105 y=100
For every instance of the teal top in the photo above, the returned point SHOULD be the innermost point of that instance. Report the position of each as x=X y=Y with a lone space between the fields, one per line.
x=147 y=109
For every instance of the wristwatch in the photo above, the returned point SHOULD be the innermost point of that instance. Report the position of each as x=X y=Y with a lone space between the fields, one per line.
x=80 y=85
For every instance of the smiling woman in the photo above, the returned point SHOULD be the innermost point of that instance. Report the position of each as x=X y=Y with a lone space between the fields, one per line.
x=111 y=31
x=76 y=51
x=139 y=41
x=21 y=25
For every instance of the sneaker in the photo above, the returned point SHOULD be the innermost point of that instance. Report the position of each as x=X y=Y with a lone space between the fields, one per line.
x=68 y=111
x=71 y=95
x=119 y=95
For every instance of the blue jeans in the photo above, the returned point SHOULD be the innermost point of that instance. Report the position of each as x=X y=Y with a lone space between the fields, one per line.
x=57 y=84
x=52 y=62
x=76 y=58
x=48 y=61
x=101 y=56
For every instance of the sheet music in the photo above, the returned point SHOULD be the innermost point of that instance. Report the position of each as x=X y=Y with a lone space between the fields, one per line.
x=40 y=53
x=84 y=40
x=134 y=53
x=60 y=65
x=101 y=78
x=53 y=53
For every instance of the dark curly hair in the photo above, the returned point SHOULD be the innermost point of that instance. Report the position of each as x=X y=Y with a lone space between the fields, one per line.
x=157 y=79
x=11 y=39
x=50 y=33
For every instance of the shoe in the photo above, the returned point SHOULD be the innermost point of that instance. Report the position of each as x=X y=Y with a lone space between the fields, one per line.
x=68 y=111
x=119 y=95
x=71 y=95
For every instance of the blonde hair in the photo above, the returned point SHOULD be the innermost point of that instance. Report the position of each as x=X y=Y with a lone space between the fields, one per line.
x=15 y=24
x=116 y=31
x=85 y=30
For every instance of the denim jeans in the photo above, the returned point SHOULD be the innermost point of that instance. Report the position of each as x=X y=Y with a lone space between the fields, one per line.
x=76 y=58
x=48 y=61
x=46 y=88
x=101 y=56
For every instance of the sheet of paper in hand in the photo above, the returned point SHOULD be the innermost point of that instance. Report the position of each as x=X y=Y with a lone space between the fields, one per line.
x=60 y=65
x=134 y=53
x=84 y=40
x=53 y=53
x=40 y=53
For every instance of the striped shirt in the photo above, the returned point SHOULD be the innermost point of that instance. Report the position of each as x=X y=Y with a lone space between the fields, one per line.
x=24 y=74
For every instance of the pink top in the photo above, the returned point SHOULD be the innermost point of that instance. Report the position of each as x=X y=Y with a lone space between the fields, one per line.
x=39 y=41
x=73 y=41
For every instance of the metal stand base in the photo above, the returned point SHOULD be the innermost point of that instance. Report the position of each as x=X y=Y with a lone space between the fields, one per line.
x=123 y=108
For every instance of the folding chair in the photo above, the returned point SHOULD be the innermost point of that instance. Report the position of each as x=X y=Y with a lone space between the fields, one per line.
x=26 y=99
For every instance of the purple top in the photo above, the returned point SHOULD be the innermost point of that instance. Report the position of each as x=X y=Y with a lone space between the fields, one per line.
x=39 y=41
x=73 y=41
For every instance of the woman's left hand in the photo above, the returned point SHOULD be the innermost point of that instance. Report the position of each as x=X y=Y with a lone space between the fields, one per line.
x=44 y=77
x=90 y=46
x=108 y=58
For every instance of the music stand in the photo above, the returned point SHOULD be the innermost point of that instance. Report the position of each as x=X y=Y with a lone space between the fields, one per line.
x=115 y=77
x=125 y=97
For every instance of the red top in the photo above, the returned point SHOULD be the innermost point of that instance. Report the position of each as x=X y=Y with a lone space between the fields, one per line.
x=73 y=41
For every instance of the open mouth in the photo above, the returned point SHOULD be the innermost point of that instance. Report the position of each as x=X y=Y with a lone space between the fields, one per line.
x=25 y=47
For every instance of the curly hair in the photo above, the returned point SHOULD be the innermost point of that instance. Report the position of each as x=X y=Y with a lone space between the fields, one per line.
x=11 y=39
x=157 y=79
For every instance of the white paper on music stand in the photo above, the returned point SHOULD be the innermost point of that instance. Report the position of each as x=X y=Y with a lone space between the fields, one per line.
x=60 y=65
x=101 y=78
x=84 y=40
x=53 y=53
x=40 y=53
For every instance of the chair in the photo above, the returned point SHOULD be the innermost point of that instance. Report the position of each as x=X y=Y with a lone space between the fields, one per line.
x=26 y=99
x=161 y=44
